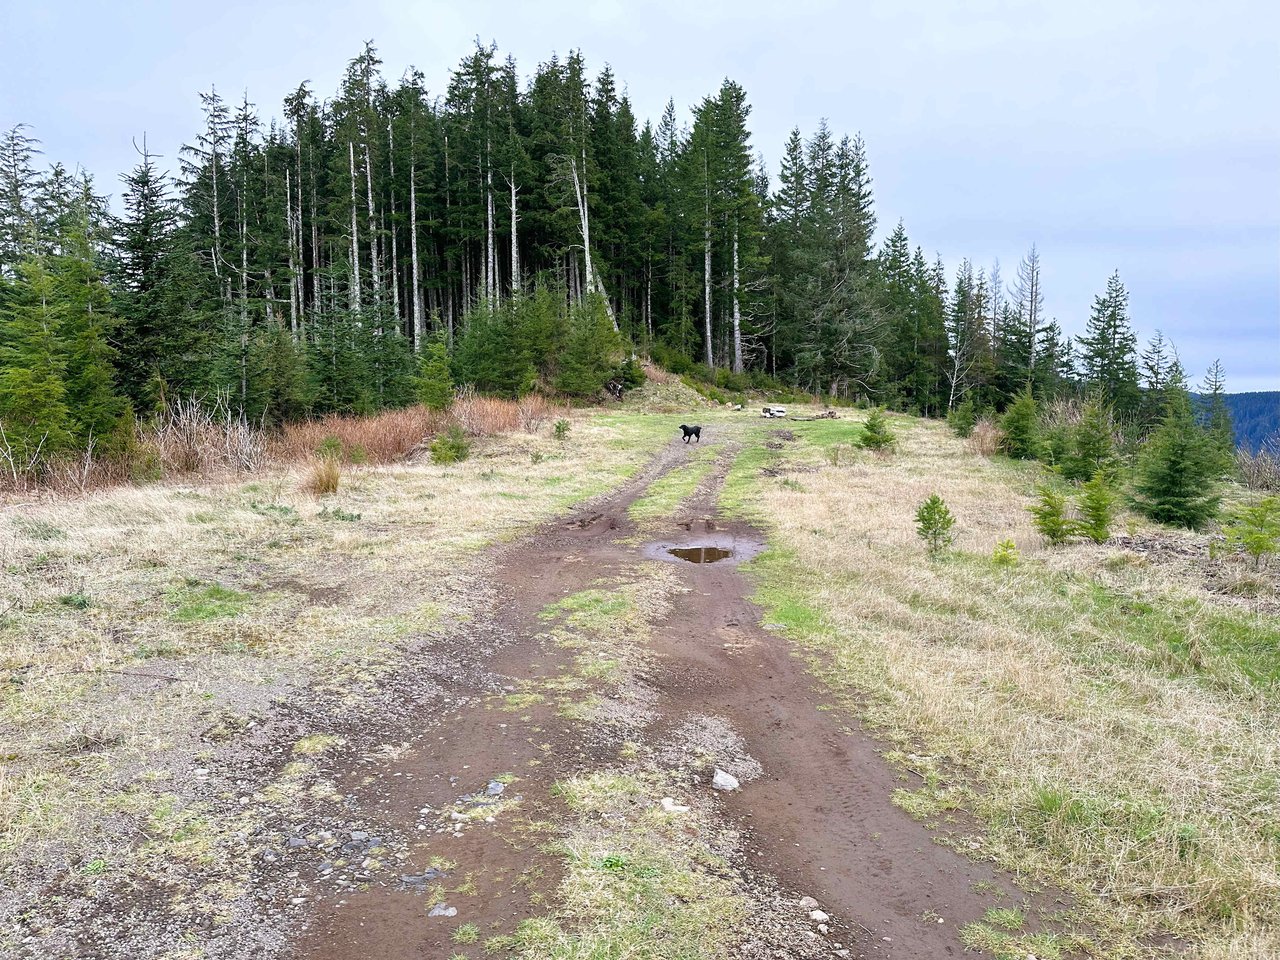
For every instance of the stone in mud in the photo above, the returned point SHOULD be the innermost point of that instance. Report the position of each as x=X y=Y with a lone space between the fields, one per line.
x=670 y=806
x=724 y=781
x=818 y=916
x=808 y=903
x=494 y=789
x=442 y=910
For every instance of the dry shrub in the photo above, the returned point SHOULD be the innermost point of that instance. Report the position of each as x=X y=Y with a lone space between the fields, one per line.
x=195 y=436
x=481 y=416
x=379 y=438
x=87 y=472
x=1261 y=470
x=1062 y=413
x=986 y=438
x=656 y=373
x=534 y=411
x=192 y=436
x=324 y=477
x=66 y=475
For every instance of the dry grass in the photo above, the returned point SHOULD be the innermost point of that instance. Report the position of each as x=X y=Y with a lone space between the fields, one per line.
x=323 y=477
x=135 y=620
x=986 y=438
x=1059 y=699
x=635 y=878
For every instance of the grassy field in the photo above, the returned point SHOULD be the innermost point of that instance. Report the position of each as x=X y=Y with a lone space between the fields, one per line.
x=1115 y=728
x=142 y=629
x=1110 y=721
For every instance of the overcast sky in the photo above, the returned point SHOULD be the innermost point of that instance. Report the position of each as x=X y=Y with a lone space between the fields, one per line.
x=1142 y=137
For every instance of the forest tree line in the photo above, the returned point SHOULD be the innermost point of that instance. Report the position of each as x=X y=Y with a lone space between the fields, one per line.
x=537 y=233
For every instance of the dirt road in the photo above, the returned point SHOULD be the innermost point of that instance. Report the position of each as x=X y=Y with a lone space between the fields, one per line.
x=468 y=813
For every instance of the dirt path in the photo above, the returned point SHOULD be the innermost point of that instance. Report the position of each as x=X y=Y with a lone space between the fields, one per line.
x=471 y=798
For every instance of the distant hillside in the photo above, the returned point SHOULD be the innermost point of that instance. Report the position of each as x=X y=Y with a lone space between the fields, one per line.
x=1256 y=417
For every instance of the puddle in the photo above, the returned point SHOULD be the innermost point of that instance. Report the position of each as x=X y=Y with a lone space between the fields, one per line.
x=710 y=546
x=700 y=554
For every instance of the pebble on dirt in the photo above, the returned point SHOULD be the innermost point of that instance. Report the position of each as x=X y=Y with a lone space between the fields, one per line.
x=724 y=781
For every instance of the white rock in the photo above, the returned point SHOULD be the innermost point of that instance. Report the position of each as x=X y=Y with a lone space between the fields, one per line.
x=818 y=916
x=724 y=781
x=670 y=806
x=808 y=903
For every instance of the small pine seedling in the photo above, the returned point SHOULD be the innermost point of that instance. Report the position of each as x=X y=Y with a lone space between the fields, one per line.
x=1097 y=509
x=1006 y=554
x=1049 y=516
x=452 y=447
x=561 y=429
x=876 y=434
x=1021 y=425
x=330 y=448
x=934 y=522
x=1256 y=529
x=962 y=418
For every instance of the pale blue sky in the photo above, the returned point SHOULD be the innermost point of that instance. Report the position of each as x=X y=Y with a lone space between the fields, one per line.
x=1143 y=137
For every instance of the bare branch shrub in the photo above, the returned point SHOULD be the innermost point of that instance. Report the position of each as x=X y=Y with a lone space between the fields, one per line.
x=1261 y=470
x=986 y=438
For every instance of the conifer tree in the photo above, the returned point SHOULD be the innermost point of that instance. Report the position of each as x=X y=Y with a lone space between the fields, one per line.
x=876 y=434
x=1021 y=425
x=1020 y=329
x=155 y=342
x=1097 y=509
x=934 y=523
x=36 y=421
x=1217 y=416
x=100 y=415
x=1091 y=448
x=1049 y=516
x=1108 y=350
x=588 y=355
x=435 y=385
x=1156 y=362
x=1177 y=469
x=492 y=355
x=18 y=181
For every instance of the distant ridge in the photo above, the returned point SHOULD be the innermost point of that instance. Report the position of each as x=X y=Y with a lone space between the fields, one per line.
x=1256 y=417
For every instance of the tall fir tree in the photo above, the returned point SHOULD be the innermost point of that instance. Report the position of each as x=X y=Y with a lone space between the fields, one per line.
x=1215 y=413
x=1108 y=349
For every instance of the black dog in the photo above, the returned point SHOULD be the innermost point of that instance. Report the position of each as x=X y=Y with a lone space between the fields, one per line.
x=695 y=431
